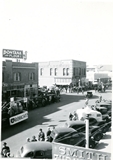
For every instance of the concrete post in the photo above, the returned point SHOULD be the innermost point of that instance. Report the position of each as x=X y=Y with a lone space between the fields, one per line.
x=87 y=131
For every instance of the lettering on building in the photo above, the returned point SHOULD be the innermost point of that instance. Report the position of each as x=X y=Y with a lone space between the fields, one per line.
x=69 y=152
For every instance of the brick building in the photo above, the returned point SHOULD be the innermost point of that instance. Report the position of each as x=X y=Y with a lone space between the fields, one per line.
x=19 y=78
x=61 y=72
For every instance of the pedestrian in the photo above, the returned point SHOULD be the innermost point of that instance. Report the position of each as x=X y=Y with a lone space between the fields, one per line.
x=70 y=116
x=33 y=139
x=48 y=134
x=28 y=139
x=41 y=135
x=86 y=101
x=75 y=116
x=5 y=150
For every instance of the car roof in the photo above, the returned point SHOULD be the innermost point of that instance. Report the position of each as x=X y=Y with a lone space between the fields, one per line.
x=63 y=130
x=75 y=122
x=35 y=146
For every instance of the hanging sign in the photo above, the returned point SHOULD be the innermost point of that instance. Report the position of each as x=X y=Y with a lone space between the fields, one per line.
x=8 y=53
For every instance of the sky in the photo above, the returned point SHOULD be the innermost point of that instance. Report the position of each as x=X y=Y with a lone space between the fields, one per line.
x=52 y=30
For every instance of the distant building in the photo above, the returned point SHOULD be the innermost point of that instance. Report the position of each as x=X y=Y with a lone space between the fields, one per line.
x=19 y=79
x=61 y=72
x=96 y=72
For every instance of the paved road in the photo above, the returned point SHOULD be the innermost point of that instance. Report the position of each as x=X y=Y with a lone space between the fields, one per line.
x=51 y=115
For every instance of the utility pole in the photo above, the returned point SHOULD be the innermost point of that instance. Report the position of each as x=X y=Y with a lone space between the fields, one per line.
x=87 y=130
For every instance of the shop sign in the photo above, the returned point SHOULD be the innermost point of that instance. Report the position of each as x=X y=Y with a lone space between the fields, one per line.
x=18 y=118
x=68 y=152
x=8 y=53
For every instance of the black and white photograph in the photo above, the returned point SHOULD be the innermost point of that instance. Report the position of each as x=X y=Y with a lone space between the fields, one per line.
x=56 y=79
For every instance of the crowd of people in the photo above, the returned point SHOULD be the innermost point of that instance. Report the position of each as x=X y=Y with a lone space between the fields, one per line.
x=41 y=136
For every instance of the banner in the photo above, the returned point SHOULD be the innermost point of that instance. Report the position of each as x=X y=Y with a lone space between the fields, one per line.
x=18 y=118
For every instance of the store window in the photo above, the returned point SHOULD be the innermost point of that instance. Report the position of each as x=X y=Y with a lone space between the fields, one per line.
x=17 y=76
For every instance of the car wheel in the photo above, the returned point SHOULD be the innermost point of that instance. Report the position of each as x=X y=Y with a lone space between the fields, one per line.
x=98 y=137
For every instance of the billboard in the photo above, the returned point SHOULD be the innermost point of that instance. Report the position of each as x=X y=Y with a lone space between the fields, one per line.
x=8 y=53
x=69 y=152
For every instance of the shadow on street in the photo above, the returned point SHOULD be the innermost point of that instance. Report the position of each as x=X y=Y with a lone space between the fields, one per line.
x=36 y=116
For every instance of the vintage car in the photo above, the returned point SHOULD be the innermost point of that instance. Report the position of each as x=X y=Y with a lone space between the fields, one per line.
x=70 y=136
x=87 y=111
x=89 y=94
x=80 y=126
x=107 y=106
x=37 y=150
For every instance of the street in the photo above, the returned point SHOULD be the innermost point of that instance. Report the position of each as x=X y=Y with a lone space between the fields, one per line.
x=52 y=115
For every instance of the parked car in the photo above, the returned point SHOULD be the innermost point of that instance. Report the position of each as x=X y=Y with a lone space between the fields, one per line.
x=105 y=127
x=108 y=106
x=38 y=150
x=82 y=113
x=70 y=136
x=95 y=131
x=89 y=94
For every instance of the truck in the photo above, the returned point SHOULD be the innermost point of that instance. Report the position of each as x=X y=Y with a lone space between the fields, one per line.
x=14 y=112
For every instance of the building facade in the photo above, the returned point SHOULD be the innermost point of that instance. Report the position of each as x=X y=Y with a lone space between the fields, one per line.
x=19 y=78
x=96 y=72
x=61 y=72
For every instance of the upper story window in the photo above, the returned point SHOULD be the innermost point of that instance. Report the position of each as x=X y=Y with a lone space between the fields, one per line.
x=84 y=71
x=2 y=76
x=31 y=76
x=17 y=76
x=73 y=71
x=50 y=71
x=41 y=71
x=55 y=71
x=79 y=71
x=64 y=70
x=67 y=71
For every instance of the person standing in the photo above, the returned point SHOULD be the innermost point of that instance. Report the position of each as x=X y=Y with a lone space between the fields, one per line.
x=86 y=101
x=5 y=150
x=41 y=135
x=48 y=133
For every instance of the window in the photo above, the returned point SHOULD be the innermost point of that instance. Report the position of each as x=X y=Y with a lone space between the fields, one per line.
x=67 y=71
x=73 y=71
x=84 y=71
x=55 y=71
x=50 y=71
x=17 y=76
x=64 y=71
x=2 y=76
x=31 y=76
x=41 y=71
x=79 y=71
x=39 y=154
